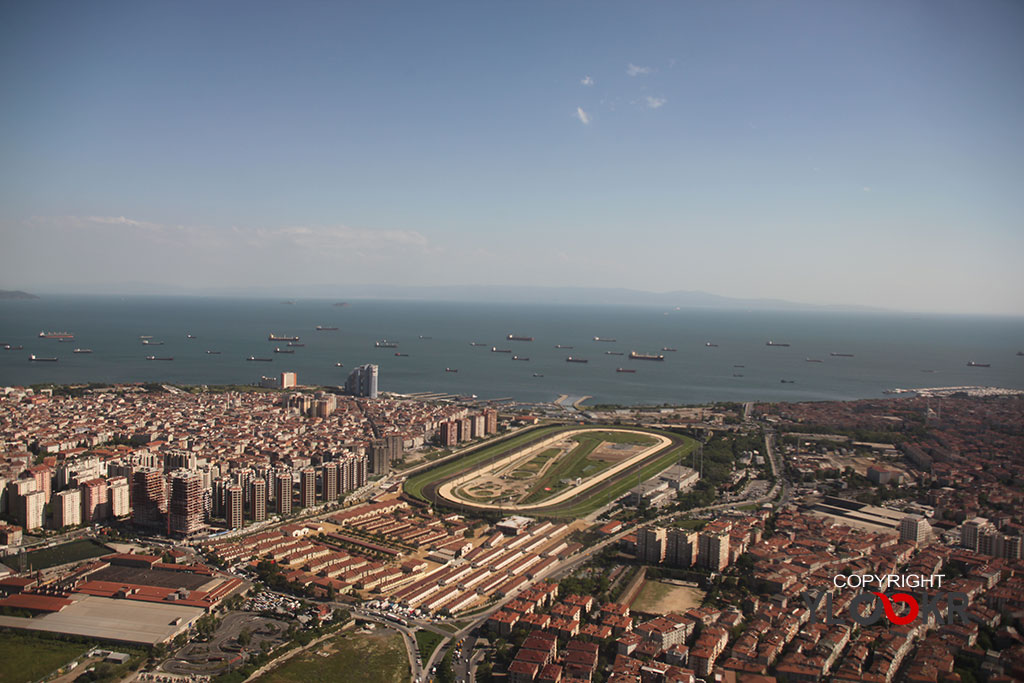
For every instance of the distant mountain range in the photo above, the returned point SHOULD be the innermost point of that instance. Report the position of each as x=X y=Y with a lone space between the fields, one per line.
x=12 y=294
x=470 y=293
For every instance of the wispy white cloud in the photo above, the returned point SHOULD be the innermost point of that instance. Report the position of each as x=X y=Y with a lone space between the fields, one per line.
x=331 y=238
x=587 y=80
x=634 y=70
x=583 y=116
x=93 y=221
x=867 y=189
x=655 y=102
x=346 y=237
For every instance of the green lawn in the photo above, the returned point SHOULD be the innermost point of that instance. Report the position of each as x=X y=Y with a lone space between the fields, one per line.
x=577 y=463
x=620 y=486
x=25 y=658
x=427 y=642
x=622 y=437
x=376 y=658
x=415 y=484
x=67 y=552
x=569 y=467
x=605 y=493
x=692 y=524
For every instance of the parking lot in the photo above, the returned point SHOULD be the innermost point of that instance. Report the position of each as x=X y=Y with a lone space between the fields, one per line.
x=224 y=651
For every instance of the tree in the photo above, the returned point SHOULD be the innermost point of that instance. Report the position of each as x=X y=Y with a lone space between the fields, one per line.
x=244 y=637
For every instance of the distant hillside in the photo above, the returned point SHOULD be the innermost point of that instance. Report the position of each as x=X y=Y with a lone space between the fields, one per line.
x=15 y=294
x=520 y=294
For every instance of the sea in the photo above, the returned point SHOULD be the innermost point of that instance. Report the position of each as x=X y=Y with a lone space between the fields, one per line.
x=888 y=350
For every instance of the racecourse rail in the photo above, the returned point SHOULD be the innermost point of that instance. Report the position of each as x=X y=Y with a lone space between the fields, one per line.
x=439 y=489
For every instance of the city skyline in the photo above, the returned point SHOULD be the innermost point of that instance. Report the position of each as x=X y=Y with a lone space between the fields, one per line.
x=847 y=155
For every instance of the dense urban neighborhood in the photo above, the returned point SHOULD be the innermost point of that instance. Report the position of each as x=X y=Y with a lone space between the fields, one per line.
x=155 y=532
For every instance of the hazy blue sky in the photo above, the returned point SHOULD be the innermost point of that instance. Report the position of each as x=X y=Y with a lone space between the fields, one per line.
x=863 y=152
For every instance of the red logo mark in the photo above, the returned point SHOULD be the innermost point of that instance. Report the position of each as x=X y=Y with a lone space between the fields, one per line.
x=890 y=613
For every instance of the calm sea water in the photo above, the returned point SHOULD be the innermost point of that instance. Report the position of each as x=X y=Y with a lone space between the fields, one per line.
x=890 y=350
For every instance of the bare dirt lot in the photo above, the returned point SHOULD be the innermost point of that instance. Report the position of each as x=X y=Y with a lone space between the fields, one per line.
x=663 y=596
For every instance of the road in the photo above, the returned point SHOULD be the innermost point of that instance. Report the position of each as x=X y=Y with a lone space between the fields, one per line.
x=466 y=671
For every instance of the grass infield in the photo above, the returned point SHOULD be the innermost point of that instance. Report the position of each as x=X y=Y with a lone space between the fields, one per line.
x=595 y=498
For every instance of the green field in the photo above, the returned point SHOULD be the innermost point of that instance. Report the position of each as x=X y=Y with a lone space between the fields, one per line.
x=603 y=494
x=376 y=658
x=427 y=641
x=74 y=551
x=573 y=464
x=618 y=487
x=578 y=464
x=536 y=462
x=26 y=658
x=415 y=484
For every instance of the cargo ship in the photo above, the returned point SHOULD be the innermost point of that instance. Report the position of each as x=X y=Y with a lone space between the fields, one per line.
x=841 y=355
x=812 y=360
x=624 y=370
x=296 y=344
x=787 y=381
x=145 y=336
x=775 y=343
x=385 y=344
x=399 y=354
x=451 y=369
x=150 y=342
x=190 y=336
x=572 y=359
x=537 y=374
x=339 y=365
x=425 y=336
x=563 y=346
x=710 y=345
x=83 y=351
x=8 y=347
x=477 y=344
x=264 y=360
x=213 y=353
x=520 y=358
x=645 y=356
x=324 y=328
x=668 y=348
x=280 y=350
x=495 y=349
x=614 y=353
x=972 y=364
x=516 y=337
x=56 y=335
x=604 y=339
x=157 y=358
x=36 y=359
x=277 y=337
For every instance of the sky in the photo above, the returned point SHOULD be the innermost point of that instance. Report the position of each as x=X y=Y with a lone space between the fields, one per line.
x=854 y=153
